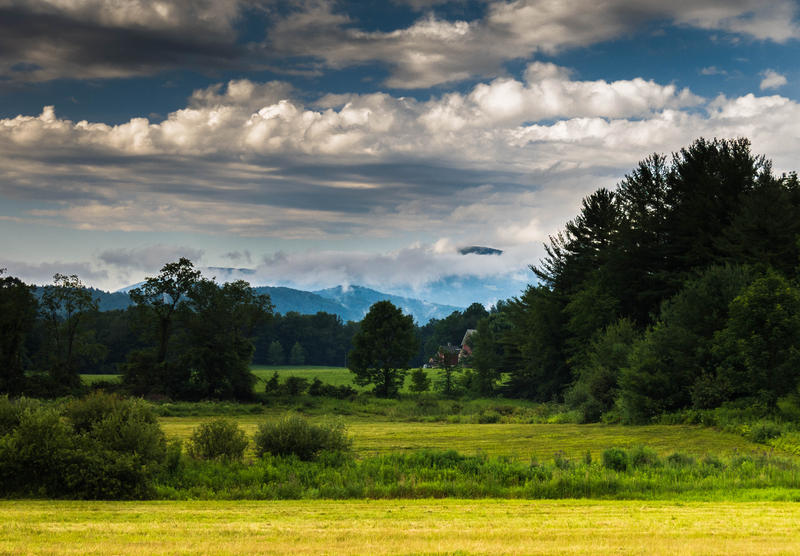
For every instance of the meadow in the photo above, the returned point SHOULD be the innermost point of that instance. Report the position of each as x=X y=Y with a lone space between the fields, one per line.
x=517 y=441
x=575 y=527
x=430 y=475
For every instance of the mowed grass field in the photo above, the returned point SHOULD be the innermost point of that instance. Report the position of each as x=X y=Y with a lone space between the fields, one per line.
x=518 y=441
x=577 y=527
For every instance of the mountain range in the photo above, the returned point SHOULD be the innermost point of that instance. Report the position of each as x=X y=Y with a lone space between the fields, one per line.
x=350 y=303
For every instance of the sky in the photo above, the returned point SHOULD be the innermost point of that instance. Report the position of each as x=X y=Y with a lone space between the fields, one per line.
x=321 y=143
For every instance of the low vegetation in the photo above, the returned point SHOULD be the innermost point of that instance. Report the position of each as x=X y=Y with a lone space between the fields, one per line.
x=104 y=446
x=218 y=439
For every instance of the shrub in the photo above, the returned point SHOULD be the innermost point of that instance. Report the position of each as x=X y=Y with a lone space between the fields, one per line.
x=106 y=448
x=615 y=459
x=87 y=412
x=488 y=417
x=219 y=439
x=319 y=388
x=642 y=456
x=272 y=386
x=293 y=435
x=560 y=461
x=33 y=453
x=763 y=431
x=419 y=381
x=678 y=459
x=120 y=425
x=296 y=385
x=11 y=410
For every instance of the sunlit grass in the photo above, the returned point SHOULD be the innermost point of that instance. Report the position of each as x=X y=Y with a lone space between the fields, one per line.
x=519 y=441
x=399 y=527
x=91 y=379
x=337 y=376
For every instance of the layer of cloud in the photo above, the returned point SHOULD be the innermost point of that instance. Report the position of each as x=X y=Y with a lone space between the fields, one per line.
x=433 y=51
x=249 y=159
x=772 y=80
x=42 y=40
x=42 y=273
x=149 y=258
x=504 y=164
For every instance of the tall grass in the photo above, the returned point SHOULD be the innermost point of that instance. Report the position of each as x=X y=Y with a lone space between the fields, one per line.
x=438 y=474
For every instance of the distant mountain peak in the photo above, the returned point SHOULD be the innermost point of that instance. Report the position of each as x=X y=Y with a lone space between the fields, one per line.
x=478 y=250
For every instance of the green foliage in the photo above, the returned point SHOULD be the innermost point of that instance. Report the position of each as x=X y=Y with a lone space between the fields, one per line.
x=101 y=447
x=293 y=435
x=537 y=331
x=760 y=345
x=298 y=355
x=295 y=385
x=671 y=362
x=275 y=355
x=319 y=388
x=419 y=381
x=210 y=355
x=596 y=387
x=449 y=330
x=642 y=456
x=219 y=438
x=18 y=309
x=383 y=348
x=120 y=425
x=616 y=459
x=64 y=307
x=221 y=321
x=678 y=459
x=272 y=385
x=485 y=358
x=447 y=473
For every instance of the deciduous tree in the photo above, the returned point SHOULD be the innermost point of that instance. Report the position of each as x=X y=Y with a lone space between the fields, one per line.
x=383 y=347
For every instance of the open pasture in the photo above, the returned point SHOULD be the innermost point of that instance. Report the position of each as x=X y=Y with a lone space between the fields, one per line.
x=336 y=376
x=519 y=441
x=399 y=527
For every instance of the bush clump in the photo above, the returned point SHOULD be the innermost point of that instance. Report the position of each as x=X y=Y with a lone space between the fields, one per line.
x=642 y=456
x=293 y=435
x=101 y=447
x=218 y=439
x=616 y=459
x=678 y=459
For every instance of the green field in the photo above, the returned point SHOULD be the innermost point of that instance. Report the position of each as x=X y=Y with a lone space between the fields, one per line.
x=519 y=441
x=399 y=527
x=337 y=376
x=91 y=379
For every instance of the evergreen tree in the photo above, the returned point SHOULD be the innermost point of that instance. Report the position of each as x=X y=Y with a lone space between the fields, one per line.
x=419 y=381
x=485 y=359
x=275 y=356
x=298 y=355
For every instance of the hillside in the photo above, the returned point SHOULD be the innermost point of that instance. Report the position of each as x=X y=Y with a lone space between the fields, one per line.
x=349 y=303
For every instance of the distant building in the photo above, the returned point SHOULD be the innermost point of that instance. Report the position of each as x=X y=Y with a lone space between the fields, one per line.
x=465 y=351
x=450 y=355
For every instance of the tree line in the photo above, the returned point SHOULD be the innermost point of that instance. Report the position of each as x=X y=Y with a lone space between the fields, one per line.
x=677 y=289
x=184 y=337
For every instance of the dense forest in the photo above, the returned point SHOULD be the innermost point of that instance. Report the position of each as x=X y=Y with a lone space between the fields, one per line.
x=677 y=289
